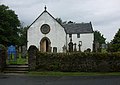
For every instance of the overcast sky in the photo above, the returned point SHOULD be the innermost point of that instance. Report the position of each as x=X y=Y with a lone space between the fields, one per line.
x=104 y=14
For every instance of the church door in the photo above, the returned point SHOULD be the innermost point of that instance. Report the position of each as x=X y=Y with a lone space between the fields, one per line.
x=45 y=45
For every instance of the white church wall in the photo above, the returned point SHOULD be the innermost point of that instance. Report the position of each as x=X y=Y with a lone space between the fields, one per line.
x=87 y=41
x=56 y=35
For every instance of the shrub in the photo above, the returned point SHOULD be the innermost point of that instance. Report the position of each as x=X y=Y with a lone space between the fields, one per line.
x=78 y=62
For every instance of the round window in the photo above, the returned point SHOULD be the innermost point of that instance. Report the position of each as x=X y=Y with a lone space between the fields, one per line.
x=45 y=28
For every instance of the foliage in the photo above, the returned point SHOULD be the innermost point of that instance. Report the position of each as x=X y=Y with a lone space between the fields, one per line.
x=2 y=47
x=115 y=44
x=23 y=36
x=70 y=22
x=78 y=62
x=60 y=21
x=19 y=60
x=98 y=37
x=9 y=24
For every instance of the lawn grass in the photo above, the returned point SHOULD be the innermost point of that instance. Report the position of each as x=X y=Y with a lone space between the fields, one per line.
x=33 y=73
x=19 y=60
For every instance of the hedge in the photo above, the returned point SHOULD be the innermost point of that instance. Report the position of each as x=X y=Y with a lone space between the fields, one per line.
x=78 y=62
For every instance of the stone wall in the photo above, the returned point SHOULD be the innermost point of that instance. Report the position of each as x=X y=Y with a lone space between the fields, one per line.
x=3 y=56
x=32 y=51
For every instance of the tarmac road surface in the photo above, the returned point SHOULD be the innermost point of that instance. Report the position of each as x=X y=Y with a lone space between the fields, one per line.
x=54 y=80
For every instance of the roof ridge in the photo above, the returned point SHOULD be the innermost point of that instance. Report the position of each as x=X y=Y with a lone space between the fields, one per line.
x=75 y=28
x=77 y=23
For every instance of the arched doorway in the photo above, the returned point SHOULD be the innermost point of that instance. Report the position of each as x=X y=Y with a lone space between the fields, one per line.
x=45 y=45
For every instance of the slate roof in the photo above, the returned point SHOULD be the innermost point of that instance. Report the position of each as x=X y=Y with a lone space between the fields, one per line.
x=78 y=28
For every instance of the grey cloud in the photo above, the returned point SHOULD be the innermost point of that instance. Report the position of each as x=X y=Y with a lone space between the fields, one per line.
x=104 y=14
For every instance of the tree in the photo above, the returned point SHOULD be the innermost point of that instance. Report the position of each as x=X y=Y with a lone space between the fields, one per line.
x=59 y=20
x=98 y=37
x=23 y=36
x=115 y=43
x=98 y=41
x=9 y=23
x=70 y=22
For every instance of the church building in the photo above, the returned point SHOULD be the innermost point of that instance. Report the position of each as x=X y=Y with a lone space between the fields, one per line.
x=48 y=35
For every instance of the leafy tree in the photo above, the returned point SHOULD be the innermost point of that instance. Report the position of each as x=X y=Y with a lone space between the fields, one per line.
x=98 y=37
x=23 y=36
x=70 y=22
x=98 y=41
x=115 y=43
x=9 y=24
x=60 y=21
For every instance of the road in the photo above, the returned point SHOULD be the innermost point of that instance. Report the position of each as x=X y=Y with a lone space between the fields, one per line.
x=63 y=80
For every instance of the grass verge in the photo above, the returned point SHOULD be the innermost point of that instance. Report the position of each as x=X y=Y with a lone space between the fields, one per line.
x=73 y=74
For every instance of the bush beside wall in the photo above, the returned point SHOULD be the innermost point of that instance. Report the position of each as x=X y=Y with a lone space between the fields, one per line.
x=78 y=62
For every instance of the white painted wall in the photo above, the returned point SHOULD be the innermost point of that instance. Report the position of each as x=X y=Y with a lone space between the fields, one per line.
x=56 y=35
x=87 y=41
